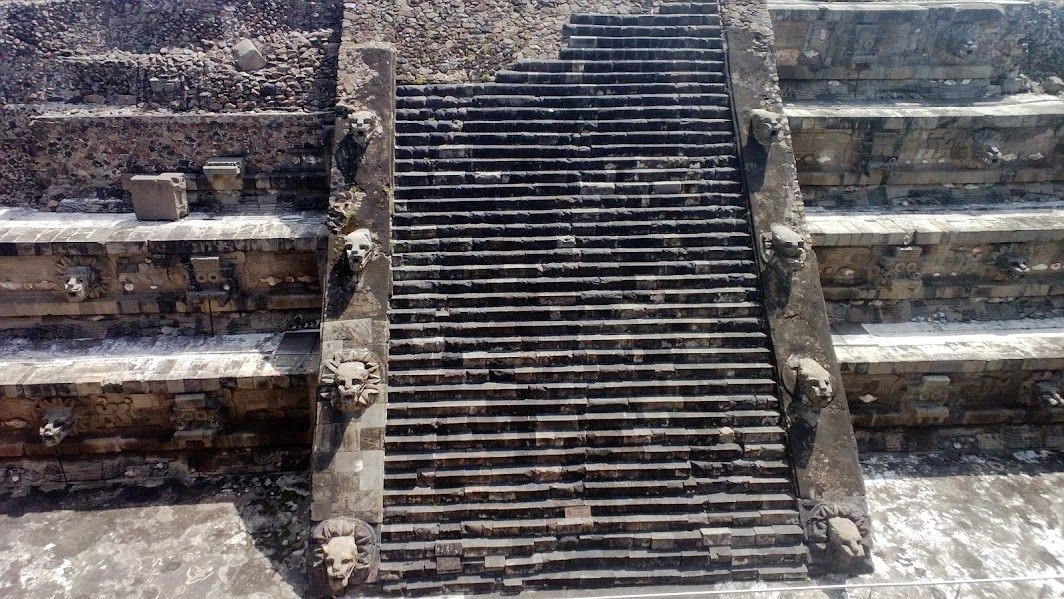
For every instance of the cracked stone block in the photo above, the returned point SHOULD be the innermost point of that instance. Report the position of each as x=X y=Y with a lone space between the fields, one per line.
x=159 y=197
x=247 y=55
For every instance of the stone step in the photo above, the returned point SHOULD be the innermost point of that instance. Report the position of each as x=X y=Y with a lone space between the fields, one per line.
x=548 y=242
x=692 y=185
x=437 y=103
x=520 y=391
x=591 y=312
x=541 y=284
x=728 y=457
x=571 y=298
x=607 y=78
x=428 y=275
x=715 y=503
x=511 y=114
x=573 y=255
x=510 y=136
x=563 y=151
x=607 y=66
x=570 y=216
x=410 y=178
x=456 y=91
x=656 y=30
x=661 y=340
x=647 y=43
x=688 y=8
x=675 y=20
x=563 y=126
x=491 y=359
x=584 y=405
x=636 y=53
x=617 y=230
x=592 y=471
x=777 y=540
x=488 y=330
x=546 y=537
x=565 y=163
x=596 y=568
x=578 y=373
x=585 y=202
x=613 y=577
x=587 y=422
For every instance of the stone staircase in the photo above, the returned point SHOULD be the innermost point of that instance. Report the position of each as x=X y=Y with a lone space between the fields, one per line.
x=581 y=383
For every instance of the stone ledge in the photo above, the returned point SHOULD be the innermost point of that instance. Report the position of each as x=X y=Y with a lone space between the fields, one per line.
x=29 y=232
x=155 y=365
x=955 y=347
x=812 y=8
x=1024 y=110
x=885 y=228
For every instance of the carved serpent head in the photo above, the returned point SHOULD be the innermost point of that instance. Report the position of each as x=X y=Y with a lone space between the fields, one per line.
x=345 y=551
x=359 y=249
x=80 y=281
x=57 y=422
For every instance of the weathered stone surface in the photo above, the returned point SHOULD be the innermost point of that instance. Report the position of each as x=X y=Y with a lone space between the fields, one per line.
x=247 y=55
x=158 y=197
x=929 y=382
x=821 y=442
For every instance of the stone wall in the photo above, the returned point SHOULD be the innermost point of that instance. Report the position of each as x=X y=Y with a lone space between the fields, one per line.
x=175 y=53
x=468 y=40
x=1042 y=25
x=89 y=410
x=90 y=154
x=881 y=50
x=139 y=279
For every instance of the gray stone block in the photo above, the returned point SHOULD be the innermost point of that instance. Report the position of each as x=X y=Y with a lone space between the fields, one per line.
x=159 y=197
x=247 y=55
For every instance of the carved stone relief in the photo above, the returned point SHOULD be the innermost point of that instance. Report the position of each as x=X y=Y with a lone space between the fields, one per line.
x=840 y=531
x=80 y=277
x=211 y=278
x=197 y=414
x=345 y=551
x=767 y=126
x=360 y=248
x=1046 y=394
x=350 y=380
x=59 y=420
x=1013 y=260
x=785 y=248
x=812 y=380
x=898 y=263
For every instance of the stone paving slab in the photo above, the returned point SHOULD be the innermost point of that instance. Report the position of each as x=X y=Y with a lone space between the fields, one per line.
x=951 y=347
x=34 y=232
x=1026 y=110
x=158 y=364
x=886 y=228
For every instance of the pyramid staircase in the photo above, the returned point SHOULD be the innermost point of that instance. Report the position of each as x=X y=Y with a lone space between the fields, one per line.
x=581 y=382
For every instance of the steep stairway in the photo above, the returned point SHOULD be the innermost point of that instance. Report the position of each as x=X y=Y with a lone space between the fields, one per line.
x=581 y=382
